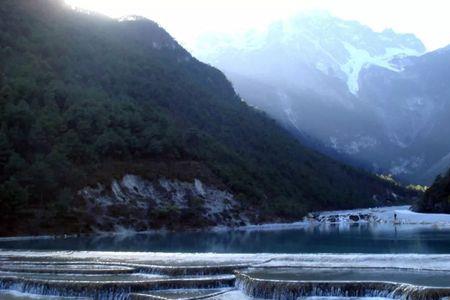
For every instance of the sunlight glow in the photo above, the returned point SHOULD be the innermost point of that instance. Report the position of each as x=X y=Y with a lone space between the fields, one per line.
x=185 y=20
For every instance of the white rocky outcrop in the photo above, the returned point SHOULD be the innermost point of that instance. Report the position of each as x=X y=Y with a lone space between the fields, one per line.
x=132 y=199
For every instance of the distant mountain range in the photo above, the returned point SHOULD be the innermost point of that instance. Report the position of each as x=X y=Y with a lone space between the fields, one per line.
x=373 y=99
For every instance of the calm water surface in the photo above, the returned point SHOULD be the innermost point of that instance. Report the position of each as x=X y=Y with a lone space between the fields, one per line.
x=355 y=238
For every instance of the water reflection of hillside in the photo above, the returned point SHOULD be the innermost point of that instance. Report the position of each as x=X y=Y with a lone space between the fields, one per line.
x=325 y=238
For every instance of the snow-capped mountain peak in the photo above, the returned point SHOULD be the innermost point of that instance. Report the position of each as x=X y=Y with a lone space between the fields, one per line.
x=375 y=97
x=317 y=40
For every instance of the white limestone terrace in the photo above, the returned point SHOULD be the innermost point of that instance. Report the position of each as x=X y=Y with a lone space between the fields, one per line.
x=144 y=262
x=437 y=262
x=231 y=295
x=392 y=214
x=15 y=295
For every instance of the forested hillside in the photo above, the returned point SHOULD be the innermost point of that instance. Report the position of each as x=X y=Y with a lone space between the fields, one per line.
x=437 y=197
x=85 y=98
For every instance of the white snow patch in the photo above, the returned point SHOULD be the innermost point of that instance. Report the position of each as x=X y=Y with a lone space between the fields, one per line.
x=394 y=138
x=322 y=68
x=354 y=146
x=406 y=165
x=129 y=18
x=360 y=58
x=290 y=114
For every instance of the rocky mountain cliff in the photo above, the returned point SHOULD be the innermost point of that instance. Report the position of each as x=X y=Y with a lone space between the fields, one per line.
x=372 y=98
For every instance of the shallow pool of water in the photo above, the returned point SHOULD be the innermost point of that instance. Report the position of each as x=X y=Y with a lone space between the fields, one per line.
x=187 y=293
x=238 y=295
x=415 y=277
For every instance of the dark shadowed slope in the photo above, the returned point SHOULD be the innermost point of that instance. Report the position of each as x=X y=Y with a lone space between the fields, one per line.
x=437 y=197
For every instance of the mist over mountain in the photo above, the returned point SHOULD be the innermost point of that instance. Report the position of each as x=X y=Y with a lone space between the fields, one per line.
x=418 y=116
x=302 y=51
x=372 y=98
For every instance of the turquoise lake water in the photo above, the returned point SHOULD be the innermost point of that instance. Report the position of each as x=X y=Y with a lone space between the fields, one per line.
x=355 y=238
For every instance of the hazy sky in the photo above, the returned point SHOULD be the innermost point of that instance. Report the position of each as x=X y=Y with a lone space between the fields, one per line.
x=186 y=19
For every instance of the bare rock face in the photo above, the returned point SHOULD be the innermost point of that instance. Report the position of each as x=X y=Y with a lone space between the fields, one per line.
x=136 y=204
x=354 y=218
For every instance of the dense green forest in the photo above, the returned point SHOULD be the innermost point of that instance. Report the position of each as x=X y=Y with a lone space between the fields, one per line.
x=437 y=197
x=81 y=92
